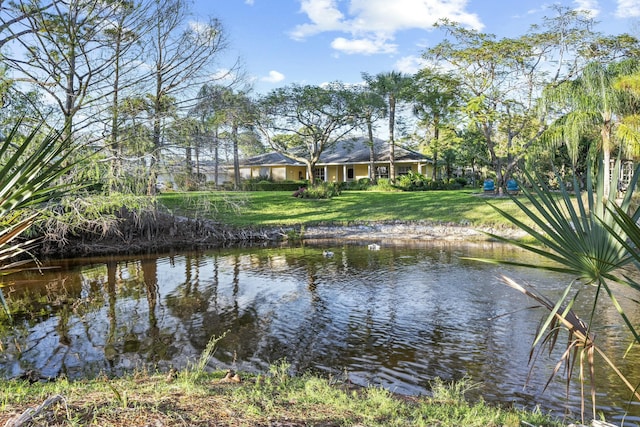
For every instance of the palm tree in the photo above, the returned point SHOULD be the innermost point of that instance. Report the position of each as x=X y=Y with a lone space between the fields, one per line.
x=239 y=110
x=628 y=130
x=392 y=85
x=435 y=100
x=593 y=104
x=29 y=175
x=595 y=242
x=370 y=106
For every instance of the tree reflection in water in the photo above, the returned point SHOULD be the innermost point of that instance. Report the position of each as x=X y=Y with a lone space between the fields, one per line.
x=397 y=317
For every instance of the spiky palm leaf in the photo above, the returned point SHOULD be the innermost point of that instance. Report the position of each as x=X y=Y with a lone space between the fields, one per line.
x=588 y=241
x=579 y=235
x=581 y=346
x=29 y=174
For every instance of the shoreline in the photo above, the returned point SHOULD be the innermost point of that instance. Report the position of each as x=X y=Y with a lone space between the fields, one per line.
x=165 y=232
x=411 y=231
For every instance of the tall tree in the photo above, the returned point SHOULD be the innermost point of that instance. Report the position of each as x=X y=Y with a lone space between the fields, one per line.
x=128 y=25
x=502 y=79
x=302 y=122
x=370 y=107
x=239 y=111
x=592 y=103
x=393 y=86
x=222 y=107
x=181 y=56
x=64 y=54
x=436 y=98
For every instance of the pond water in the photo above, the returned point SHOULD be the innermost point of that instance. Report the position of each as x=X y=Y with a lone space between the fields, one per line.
x=397 y=317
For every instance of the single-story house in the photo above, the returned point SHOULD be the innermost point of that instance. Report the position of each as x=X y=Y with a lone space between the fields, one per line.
x=348 y=160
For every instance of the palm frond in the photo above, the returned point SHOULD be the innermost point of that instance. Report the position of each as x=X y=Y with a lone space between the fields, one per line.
x=581 y=347
x=30 y=173
x=592 y=238
x=571 y=230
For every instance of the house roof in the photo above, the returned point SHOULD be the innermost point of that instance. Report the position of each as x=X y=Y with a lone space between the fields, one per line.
x=349 y=151
x=269 y=159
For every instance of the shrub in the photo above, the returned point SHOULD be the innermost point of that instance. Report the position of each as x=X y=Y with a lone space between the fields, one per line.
x=384 y=184
x=360 y=184
x=264 y=185
x=299 y=192
x=461 y=180
x=324 y=190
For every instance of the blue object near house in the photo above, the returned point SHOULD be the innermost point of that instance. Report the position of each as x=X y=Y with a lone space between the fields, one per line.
x=512 y=186
x=489 y=186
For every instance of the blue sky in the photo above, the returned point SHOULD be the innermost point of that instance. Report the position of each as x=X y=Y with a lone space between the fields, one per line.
x=281 y=42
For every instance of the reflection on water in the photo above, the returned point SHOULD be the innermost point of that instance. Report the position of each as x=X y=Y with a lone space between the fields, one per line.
x=397 y=318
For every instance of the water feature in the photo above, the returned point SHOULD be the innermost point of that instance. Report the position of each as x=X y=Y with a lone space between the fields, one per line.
x=395 y=317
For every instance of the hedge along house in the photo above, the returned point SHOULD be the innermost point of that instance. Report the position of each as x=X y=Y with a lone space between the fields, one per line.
x=347 y=161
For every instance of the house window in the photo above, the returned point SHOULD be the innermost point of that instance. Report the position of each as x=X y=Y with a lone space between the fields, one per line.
x=626 y=174
x=382 y=172
x=350 y=173
x=319 y=174
x=404 y=170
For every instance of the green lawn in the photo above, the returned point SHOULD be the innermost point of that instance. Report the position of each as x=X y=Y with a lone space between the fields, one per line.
x=280 y=208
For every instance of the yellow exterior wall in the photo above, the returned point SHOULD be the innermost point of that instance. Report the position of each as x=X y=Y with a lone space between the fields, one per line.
x=427 y=170
x=279 y=173
x=333 y=173
x=296 y=173
x=360 y=171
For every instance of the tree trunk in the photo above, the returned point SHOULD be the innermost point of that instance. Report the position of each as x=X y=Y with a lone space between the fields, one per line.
x=392 y=144
x=216 y=156
x=606 y=157
x=236 y=161
x=372 y=153
x=436 y=139
x=312 y=176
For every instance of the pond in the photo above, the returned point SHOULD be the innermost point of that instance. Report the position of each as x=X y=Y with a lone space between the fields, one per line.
x=396 y=317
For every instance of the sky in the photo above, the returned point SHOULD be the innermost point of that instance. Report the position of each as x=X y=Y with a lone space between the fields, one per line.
x=282 y=42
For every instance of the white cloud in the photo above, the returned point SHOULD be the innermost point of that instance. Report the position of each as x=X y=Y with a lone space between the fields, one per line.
x=590 y=6
x=362 y=46
x=324 y=15
x=628 y=9
x=273 y=77
x=410 y=64
x=249 y=2
x=372 y=24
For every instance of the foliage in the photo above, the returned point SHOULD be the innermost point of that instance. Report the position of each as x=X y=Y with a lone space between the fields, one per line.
x=324 y=190
x=587 y=240
x=591 y=107
x=267 y=185
x=96 y=214
x=419 y=182
x=383 y=184
x=490 y=69
x=302 y=122
x=29 y=176
x=219 y=205
x=207 y=354
x=360 y=184
x=189 y=181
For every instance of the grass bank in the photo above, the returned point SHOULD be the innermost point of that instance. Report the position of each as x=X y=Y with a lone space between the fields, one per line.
x=279 y=208
x=274 y=399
